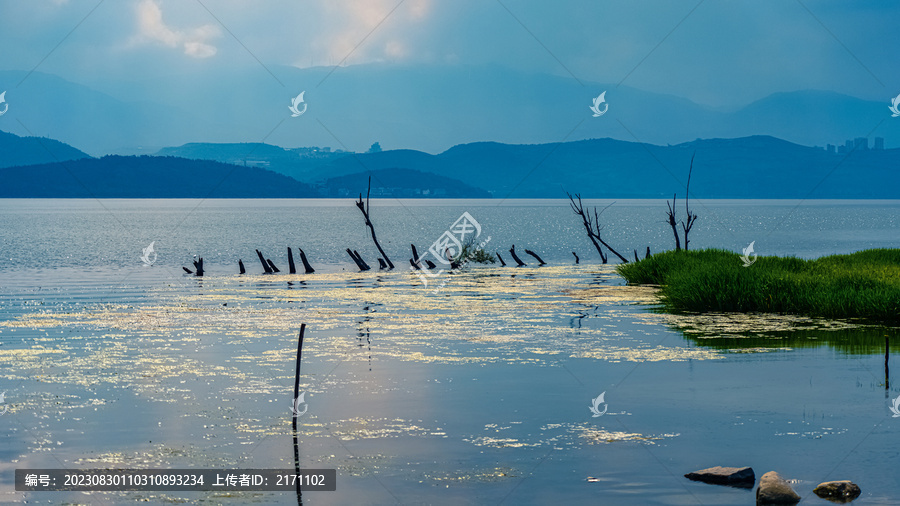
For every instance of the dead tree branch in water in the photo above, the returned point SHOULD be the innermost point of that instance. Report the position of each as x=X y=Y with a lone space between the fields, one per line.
x=306 y=267
x=672 y=221
x=364 y=208
x=198 y=266
x=535 y=255
x=512 y=251
x=291 y=267
x=691 y=217
x=266 y=267
x=363 y=266
x=592 y=226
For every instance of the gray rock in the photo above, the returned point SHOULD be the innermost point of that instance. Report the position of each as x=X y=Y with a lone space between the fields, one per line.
x=838 y=491
x=734 y=476
x=773 y=489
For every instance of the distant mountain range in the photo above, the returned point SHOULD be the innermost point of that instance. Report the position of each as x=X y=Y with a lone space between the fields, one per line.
x=15 y=150
x=146 y=177
x=750 y=167
x=426 y=107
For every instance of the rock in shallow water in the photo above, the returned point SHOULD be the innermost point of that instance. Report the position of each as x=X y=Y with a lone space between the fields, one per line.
x=773 y=489
x=838 y=491
x=734 y=476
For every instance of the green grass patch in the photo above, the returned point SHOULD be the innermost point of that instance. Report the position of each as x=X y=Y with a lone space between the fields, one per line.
x=863 y=285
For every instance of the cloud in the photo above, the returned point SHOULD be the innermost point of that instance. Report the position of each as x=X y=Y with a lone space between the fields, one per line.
x=371 y=30
x=152 y=28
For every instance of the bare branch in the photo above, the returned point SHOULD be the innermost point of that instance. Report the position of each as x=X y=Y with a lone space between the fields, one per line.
x=364 y=208
x=691 y=217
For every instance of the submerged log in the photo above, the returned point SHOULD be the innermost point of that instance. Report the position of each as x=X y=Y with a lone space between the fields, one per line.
x=272 y=265
x=198 y=266
x=263 y=262
x=502 y=263
x=291 y=267
x=414 y=265
x=512 y=251
x=241 y=265
x=306 y=266
x=535 y=255
x=576 y=257
x=381 y=265
x=358 y=260
x=430 y=264
x=187 y=270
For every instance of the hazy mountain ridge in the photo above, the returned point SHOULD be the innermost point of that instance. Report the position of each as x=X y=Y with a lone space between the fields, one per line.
x=146 y=177
x=426 y=108
x=15 y=150
x=748 y=167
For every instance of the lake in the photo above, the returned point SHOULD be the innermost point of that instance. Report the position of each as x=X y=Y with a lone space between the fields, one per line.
x=474 y=389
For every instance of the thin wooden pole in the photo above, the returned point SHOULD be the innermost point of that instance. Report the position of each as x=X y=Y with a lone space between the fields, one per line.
x=297 y=374
x=294 y=410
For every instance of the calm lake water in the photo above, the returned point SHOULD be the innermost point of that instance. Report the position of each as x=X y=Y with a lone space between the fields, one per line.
x=473 y=390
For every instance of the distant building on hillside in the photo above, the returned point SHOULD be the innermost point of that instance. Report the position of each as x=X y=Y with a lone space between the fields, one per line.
x=857 y=144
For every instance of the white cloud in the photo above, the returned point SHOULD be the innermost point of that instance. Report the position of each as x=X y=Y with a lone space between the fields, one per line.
x=152 y=28
x=348 y=29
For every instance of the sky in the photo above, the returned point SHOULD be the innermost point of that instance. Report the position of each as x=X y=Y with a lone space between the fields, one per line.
x=722 y=54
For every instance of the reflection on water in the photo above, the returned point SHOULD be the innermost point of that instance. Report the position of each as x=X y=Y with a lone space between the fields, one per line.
x=470 y=387
x=739 y=331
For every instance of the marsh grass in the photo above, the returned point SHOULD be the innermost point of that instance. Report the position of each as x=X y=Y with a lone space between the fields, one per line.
x=863 y=285
x=471 y=252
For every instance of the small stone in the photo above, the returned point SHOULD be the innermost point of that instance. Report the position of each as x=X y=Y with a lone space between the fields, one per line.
x=733 y=476
x=838 y=491
x=773 y=489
